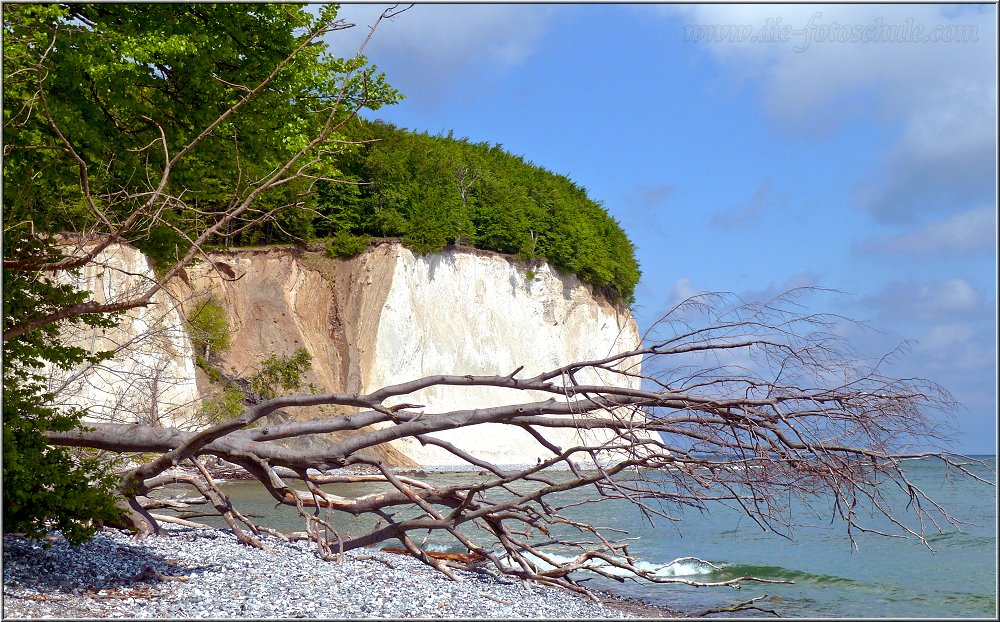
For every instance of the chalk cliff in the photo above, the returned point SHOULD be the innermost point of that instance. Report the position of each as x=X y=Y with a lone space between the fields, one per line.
x=384 y=317
x=151 y=377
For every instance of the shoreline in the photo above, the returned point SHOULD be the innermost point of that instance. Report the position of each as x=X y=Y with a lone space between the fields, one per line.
x=226 y=471
x=189 y=573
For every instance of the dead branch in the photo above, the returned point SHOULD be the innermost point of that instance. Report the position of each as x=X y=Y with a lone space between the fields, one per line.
x=746 y=605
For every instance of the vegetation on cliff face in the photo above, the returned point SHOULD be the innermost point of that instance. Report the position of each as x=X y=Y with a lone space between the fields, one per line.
x=209 y=328
x=275 y=375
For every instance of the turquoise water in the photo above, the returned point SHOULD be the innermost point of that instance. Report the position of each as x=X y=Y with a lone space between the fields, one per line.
x=883 y=577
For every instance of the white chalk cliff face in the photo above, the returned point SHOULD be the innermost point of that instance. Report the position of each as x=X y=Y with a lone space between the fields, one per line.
x=151 y=377
x=482 y=314
x=389 y=316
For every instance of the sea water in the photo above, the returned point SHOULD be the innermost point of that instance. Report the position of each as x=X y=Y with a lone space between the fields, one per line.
x=953 y=575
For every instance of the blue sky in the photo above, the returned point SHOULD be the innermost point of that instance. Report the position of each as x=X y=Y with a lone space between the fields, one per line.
x=745 y=165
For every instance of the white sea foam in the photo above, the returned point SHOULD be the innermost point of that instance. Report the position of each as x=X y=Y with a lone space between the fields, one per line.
x=680 y=567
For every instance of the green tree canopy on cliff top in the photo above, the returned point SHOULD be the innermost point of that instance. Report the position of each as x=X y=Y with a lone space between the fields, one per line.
x=432 y=191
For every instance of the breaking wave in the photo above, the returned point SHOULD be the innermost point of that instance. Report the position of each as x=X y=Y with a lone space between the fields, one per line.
x=680 y=567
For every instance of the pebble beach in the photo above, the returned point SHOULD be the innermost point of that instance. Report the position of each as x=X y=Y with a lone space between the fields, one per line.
x=207 y=573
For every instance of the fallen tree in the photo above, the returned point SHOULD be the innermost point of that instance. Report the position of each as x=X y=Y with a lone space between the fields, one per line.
x=750 y=405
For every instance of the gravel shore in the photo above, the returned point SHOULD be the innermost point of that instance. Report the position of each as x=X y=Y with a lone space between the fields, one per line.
x=206 y=573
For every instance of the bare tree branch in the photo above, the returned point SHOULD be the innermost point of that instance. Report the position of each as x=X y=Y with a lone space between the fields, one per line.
x=806 y=419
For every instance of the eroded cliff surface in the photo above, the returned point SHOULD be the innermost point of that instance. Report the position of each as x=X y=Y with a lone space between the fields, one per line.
x=151 y=377
x=389 y=316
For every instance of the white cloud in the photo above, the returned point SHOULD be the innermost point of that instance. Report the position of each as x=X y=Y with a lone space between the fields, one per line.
x=940 y=96
x=955 y=295
x=773 y=290
x=431 y=48
x=682 y=290
x=944 y=337
x=957 y=347
x=947 y=298
x=740 y=215
x=944 y=160
x=968 y=231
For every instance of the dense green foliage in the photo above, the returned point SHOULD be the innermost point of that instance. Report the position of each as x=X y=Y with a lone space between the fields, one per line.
x=179 y=73
x=209 y=328
x=118 y=73
x=346 y=244
x=276 y=373
x=280 y=372
x=435 y=191
x=45 y=487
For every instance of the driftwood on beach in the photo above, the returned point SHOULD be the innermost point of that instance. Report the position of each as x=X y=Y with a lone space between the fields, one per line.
x=464 y=558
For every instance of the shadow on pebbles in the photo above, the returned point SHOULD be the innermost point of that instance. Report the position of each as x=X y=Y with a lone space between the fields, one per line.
x=192 y=573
